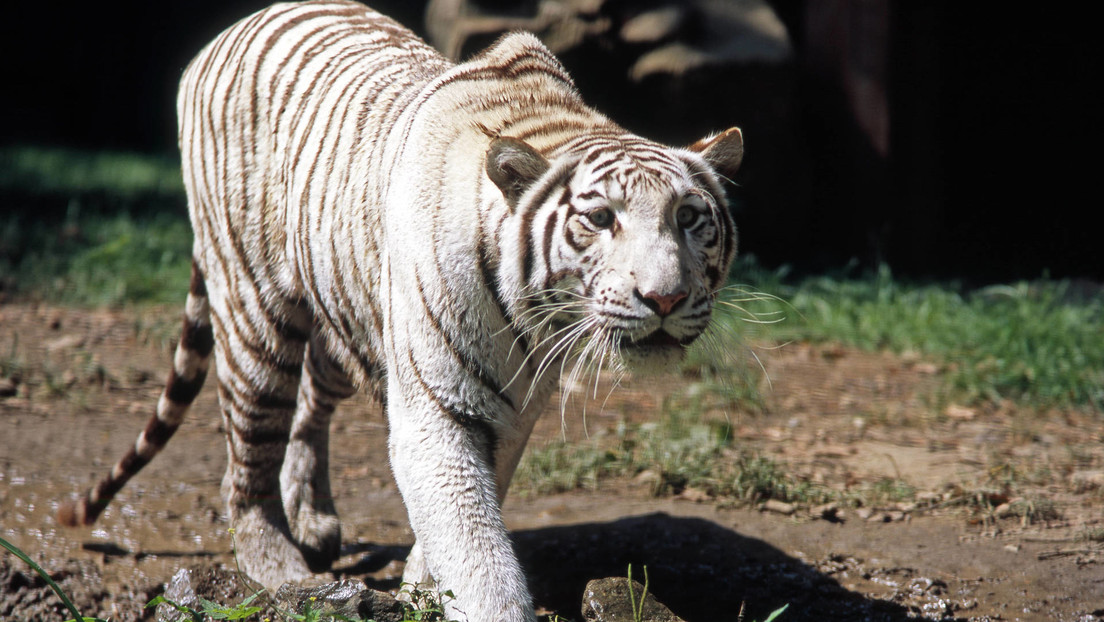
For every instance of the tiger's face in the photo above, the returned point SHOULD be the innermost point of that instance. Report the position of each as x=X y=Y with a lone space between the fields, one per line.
x=629 y=243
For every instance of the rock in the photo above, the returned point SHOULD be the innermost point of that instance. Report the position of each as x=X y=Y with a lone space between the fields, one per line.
x=704 y=32
x=8 y=387
x=346 y=599
x=1004 y=510
x=649 y=478
x=190 y=586
x=928 y=369
x=460 y=27
x=778 y=507
x=1086 y=481
x=65 y=343
x=828 y=511
x=652 y=26
x=608 y=600
x=960 y=413
x=697 y=495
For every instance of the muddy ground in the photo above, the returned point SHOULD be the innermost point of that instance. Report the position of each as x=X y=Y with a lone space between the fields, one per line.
x=77 y=386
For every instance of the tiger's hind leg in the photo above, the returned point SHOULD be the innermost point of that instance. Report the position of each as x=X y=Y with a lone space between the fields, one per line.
x=305 y=477
x=260 y=352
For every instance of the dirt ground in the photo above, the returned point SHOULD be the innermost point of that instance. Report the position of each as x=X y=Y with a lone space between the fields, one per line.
x=1007 y=521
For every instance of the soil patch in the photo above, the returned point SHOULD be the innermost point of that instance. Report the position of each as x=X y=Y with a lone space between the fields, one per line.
x=1004 y=520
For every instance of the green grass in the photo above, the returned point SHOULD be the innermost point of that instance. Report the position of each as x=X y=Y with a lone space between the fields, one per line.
x=69 y=606
x=681 y=449
x=92 y=229
x=1038 y=343
x=99 y=260
x=118 y=178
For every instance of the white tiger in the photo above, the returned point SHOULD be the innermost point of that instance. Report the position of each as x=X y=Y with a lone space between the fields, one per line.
x=369 y=215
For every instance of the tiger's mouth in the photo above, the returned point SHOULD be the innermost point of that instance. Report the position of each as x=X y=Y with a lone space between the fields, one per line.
x=658 y=338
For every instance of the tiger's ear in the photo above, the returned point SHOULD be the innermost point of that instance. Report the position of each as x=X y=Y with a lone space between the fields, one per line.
x=723 y=151
x=513 y=166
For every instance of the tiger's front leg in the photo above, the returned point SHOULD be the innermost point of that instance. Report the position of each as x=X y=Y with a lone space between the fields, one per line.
x=445 y=473
x=511 y=441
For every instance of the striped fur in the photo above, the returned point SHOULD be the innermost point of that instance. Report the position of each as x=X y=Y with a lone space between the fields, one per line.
x=368 y=215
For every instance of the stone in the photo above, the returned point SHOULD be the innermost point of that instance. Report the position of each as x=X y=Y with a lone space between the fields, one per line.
x=8 y=387
x=1086 y=481
x=609 y=600
x=653 y=26
x=778 y=507
x=828 y=511
x=347 y=599
x=190 y=586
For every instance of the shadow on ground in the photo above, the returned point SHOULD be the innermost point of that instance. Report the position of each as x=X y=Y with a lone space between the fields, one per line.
x=699 y=569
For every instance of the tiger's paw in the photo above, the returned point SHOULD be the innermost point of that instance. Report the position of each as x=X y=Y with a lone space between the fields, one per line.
x=319 y=538
x=416 y=573
x=263 y=546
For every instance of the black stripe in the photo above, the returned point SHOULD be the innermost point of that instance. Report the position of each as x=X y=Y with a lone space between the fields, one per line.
x=470 y=364
x=269 y=359
x=157 y=432
x=550 y=227
x=131 y=463
x=484 y=437
x=198 y=285
x=183 y=392
x=601 y=170
x=252 y=405
x=197 y=337
x=268 y=399
x=260 y=489
x=287 y=330
x=274 y=37
x=532 y=207
x=480 y=430
x=258 y=436
x=573 y=241
x=487 y=270
x=237 y=56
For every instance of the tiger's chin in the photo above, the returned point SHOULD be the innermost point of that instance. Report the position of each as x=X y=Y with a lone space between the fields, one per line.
x=657 y=353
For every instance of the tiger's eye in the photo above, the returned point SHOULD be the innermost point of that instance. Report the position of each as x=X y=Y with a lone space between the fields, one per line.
x=685 y=216
x=601 y=218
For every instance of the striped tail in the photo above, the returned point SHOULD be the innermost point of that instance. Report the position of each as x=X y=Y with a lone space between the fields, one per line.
x=190 y=363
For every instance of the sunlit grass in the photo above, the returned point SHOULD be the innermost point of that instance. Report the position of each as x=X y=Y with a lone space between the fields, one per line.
x=681 y=449
x=1039 y=343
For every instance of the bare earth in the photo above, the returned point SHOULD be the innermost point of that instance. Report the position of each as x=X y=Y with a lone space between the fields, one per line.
x=84 y=383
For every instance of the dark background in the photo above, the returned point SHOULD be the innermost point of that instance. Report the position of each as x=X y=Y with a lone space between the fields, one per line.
x=988 y=171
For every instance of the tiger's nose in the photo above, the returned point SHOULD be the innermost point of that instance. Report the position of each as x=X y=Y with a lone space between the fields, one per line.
x=661 y=304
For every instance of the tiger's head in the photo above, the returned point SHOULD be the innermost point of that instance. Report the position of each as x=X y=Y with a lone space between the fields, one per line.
x=622 y=243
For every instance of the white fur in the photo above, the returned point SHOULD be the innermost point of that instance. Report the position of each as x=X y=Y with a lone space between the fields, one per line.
x=405 y=205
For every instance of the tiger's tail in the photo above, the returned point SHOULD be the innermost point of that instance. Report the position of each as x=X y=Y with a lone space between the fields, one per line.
x=189 y=370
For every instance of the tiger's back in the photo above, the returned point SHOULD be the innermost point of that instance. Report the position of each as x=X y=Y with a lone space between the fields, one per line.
x=368 y=215
x=303 y=110
x=273 y=114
